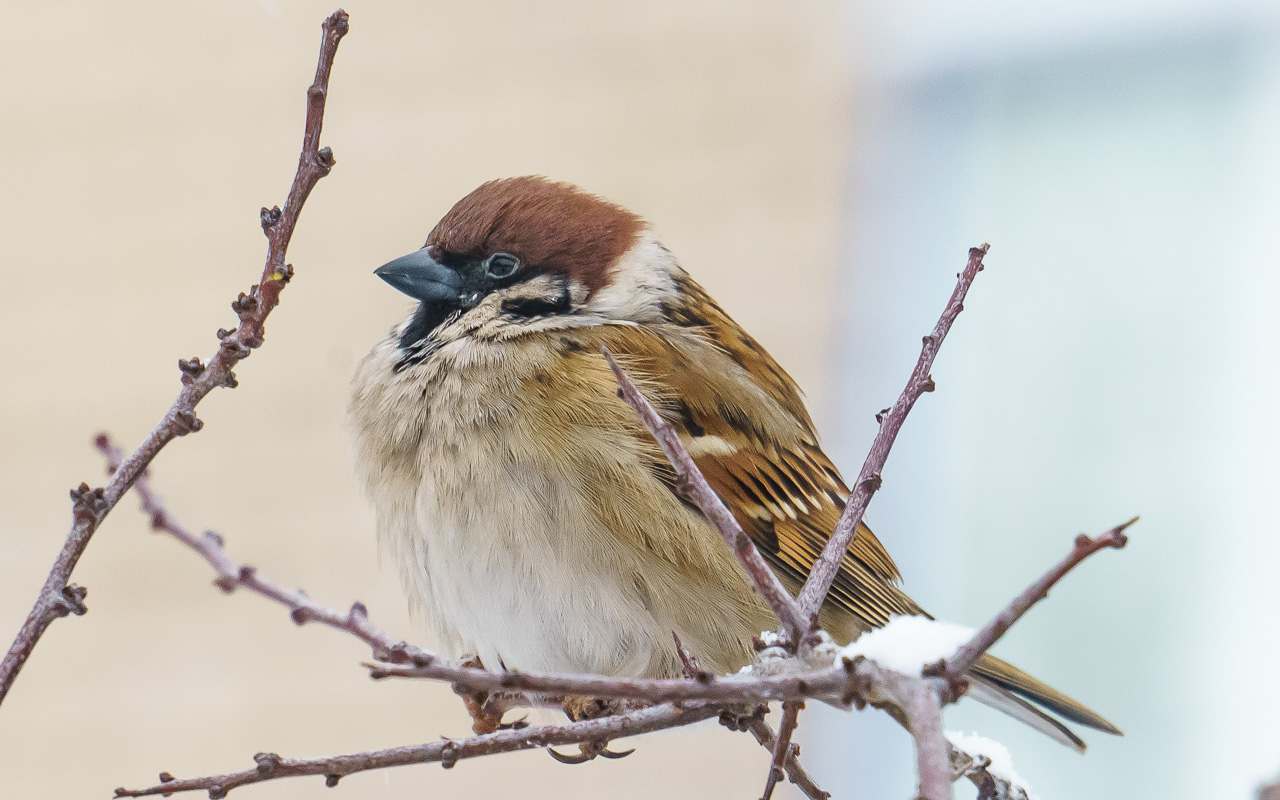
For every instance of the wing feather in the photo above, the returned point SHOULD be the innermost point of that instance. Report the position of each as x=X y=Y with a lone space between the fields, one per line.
x=755 y=443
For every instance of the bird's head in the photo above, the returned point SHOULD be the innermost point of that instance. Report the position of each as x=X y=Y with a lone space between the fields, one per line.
x=528 y=249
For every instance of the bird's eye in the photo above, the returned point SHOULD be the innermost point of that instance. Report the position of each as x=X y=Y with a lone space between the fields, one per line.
x=501 y=265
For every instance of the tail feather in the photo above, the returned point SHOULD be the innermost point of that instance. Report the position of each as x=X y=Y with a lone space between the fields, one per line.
x=1003 y=675
x=1006 y=702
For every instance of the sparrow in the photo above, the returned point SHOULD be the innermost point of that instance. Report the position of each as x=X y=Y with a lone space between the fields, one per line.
x=534 y=519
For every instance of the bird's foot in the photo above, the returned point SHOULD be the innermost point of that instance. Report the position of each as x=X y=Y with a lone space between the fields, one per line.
x=740 y=718
x=486 y=709
x=579 y=708
x=589 y=750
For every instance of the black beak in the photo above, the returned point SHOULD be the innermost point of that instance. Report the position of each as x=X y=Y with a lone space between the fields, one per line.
x=422 y=277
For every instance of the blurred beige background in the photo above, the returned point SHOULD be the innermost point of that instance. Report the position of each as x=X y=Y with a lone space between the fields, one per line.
x=138 y=141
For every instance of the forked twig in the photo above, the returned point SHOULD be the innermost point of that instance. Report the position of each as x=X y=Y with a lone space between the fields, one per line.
x=782 y=747
x=795 y=773
x=447 y=752
x=57 y=597
x=891 y=419
x=1084 y=547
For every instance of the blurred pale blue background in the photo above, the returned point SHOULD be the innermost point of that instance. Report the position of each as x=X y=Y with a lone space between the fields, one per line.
x=1118 y=356
x=822 y=167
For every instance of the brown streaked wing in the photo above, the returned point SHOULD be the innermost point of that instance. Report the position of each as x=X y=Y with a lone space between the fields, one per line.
x=760 y=454
x=791 y=527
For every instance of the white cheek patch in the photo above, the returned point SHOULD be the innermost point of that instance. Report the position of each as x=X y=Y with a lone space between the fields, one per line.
x=640 y=281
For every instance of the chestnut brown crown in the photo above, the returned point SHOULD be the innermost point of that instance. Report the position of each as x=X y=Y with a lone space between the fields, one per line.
x=552 y=227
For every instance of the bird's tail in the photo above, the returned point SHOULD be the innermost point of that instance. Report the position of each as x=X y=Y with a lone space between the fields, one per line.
x=1006 y=688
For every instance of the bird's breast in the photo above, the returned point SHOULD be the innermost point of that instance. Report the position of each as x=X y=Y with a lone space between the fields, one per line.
x=485 y=511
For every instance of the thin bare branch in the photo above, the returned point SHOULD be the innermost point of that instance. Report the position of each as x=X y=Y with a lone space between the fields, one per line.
x=782 y=747
x=933 y=764
x=447 y=752
x=231 y=576
x=828 y=564
x=692 y=486
x=912 y=700
x=916 y=704
x=830 y=683
x=402 y=660
x=57 y=597
x=795 y=773
x=983 y=640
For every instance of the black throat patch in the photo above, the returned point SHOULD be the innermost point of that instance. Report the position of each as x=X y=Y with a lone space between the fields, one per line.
x=415 y=341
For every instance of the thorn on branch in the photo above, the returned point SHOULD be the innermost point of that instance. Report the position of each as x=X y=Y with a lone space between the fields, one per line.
x=269 y=216
x=358 y=611
x=449 y=754
x=243 y=304
x=190 y=370
x=331 y=780
x=267 y=763
x=226 y=583
x=929 y=385
x=880 y=415
x=71 y=601
x=873 y=482
x=186 y=421
x=88 y=504
x=223 y=333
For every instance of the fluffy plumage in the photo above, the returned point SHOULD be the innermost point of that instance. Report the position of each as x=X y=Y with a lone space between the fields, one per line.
x=533 y=517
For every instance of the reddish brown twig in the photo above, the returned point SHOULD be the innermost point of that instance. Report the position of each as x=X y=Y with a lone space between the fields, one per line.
x=891 y=419
x=782 y=747
x=403 y=660
x=231 y=576
x=447 y=752
x=912 y=700
x=57 y=598
x=983 y=640
x=835 y=682
x=795 y=773
x=828 y=683
x=692 y=486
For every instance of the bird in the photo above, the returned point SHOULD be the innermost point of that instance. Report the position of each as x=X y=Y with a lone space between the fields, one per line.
x=535 y=521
